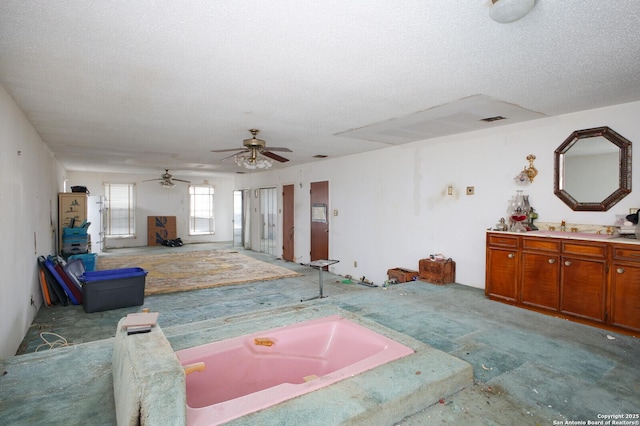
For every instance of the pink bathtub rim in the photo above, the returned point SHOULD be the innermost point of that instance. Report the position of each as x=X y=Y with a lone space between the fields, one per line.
x=225 y=411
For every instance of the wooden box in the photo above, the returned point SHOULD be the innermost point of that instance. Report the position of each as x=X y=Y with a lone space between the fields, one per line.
x=402 y=275
x=437 y=271
x=160 y=228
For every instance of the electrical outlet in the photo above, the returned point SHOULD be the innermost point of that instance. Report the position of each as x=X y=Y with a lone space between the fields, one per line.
x=633 y=211
x=471 y=190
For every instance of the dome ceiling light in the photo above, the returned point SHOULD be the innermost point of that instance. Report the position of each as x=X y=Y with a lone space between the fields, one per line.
x=506 y=11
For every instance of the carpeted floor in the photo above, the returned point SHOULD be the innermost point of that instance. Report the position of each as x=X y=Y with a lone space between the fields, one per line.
x=174 y=272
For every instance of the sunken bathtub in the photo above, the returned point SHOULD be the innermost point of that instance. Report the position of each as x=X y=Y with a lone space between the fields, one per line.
x=255 y=371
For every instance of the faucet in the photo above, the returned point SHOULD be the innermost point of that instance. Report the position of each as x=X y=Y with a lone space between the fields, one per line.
x=563 y=226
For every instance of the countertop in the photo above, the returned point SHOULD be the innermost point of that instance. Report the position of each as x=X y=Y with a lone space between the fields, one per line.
x=573 y=236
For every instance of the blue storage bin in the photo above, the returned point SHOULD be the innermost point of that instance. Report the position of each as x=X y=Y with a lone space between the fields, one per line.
x=89 y=260
x=112 y=289
x=74 y=232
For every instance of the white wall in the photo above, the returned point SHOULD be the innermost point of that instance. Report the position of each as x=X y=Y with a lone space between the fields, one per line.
x=31 y=178
x=153 y=200
x=393 y=207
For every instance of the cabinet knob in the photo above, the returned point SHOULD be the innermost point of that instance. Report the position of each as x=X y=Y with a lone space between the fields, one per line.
x=620 y=270
x=511 y=255
x=552 y=261
x=567 y=263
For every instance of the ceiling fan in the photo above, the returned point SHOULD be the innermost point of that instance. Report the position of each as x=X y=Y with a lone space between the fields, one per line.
x=166 y=180
x=253 y=147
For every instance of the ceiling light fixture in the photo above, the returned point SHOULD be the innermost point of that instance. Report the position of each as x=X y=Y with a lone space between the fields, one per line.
x=167 y=184
x=253 y=161
x=505 y=11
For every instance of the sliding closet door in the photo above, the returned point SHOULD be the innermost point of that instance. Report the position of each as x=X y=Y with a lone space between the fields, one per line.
x=269 y=215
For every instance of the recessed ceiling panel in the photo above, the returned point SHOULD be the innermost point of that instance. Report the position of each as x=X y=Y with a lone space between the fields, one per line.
x=463 y=115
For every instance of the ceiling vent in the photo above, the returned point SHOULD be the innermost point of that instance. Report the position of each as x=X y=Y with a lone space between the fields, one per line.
x=494 y=118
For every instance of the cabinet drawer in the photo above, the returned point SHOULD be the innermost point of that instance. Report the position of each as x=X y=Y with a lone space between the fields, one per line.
x=626 y=252
x=546 y=244
x=502 y=240
x=594 y=249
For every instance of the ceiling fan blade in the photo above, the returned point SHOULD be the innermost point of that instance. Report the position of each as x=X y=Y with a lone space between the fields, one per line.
x=149 y=180
x=181 y=180
x=225 y=150
x=233 y=155
x=279 y=149
x=274 y=156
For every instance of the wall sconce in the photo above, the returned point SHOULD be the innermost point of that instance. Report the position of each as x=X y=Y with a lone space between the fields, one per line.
x=527 y=174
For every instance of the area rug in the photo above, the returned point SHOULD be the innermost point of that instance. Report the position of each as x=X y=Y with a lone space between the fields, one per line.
x=174 y=272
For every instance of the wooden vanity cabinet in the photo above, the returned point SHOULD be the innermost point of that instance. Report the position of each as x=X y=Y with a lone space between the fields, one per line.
x=625 y=287
x=540 y=273
x=591 y=281
x=583 y=279
x=502 y=267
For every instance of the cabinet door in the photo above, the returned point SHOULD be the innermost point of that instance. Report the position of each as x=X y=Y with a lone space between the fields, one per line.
x=502 y=276
x=625 y=297
x=540 y=278
x=582 y=288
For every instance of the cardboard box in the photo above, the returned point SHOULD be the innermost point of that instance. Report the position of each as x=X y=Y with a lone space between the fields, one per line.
x=402 y=275
x=437 y=271
x=160 y=228
x=112 y=289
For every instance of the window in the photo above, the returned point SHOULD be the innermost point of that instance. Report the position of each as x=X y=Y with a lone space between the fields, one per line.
x=121 y=206
x=201 y=210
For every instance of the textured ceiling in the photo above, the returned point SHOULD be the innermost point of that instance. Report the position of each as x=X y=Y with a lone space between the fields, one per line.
x=142 y=86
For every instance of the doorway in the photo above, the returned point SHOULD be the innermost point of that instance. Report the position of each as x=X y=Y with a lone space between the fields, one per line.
x=240 y=219
x=287 y=223
x=319 y=220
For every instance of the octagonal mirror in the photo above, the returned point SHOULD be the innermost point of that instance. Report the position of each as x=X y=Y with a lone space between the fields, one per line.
x=593 y=169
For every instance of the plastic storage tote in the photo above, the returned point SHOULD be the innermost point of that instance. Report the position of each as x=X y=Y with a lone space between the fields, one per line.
x=112 y=289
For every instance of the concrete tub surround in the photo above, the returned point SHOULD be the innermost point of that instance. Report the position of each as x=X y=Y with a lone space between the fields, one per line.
x=154 y=385
x=148 y=380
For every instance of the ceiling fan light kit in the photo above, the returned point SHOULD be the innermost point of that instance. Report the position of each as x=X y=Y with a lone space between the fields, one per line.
x=255 y=154
x=253 y=162
x=166 y=180
x=506 y=11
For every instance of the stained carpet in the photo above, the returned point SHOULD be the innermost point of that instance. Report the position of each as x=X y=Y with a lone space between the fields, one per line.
x=174 y=272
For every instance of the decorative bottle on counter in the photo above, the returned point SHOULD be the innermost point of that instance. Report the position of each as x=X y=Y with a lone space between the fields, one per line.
x=526 y=208
x=518 y=215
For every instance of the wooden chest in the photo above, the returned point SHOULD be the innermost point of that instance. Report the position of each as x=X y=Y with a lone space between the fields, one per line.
x=402 y=275
x=437 y=271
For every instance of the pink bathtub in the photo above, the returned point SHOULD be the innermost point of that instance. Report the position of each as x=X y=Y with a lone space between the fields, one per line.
x=248 y=373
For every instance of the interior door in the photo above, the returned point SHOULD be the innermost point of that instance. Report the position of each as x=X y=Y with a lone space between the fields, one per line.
x=319 y=220
x=287 y=223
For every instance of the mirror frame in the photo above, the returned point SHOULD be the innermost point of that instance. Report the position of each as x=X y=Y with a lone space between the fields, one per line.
x=624 y=179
